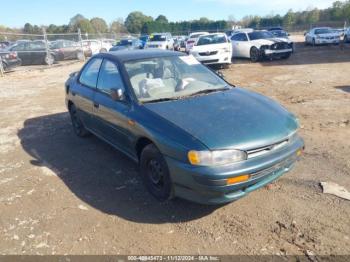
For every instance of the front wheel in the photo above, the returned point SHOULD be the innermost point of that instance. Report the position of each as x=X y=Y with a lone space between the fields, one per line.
x=155 y=173
x=346 y=39
x=78 y=125
x=254 y=54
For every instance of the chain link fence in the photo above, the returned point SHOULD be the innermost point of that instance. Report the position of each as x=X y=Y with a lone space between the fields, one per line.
x=47 y=49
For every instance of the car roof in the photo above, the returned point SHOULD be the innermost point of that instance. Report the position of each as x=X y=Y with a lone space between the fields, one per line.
x=131 y=55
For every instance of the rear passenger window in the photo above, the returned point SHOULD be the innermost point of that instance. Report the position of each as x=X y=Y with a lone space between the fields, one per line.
x=90 y=73
x=109 y=77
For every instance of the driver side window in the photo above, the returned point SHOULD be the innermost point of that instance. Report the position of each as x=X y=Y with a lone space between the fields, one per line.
x=239 y=37
x=109 y=78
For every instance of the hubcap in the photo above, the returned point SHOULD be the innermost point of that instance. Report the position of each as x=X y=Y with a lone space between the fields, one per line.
x=155 y=173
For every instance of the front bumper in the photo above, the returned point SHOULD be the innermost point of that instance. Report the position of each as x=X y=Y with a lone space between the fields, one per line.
x=205 y=184
x=223 y=58
x=320 y=41
x=11 y=63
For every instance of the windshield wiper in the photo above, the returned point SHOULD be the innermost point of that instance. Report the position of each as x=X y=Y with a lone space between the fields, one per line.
x=161 y=100
x=208 y=91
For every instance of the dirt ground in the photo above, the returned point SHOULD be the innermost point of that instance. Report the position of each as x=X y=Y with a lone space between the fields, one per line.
x=63 y=195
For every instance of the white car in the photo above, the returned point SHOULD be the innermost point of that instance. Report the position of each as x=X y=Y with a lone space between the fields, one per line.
x=322 y=35
x=98 y=45
x=192 y=40
x=161 y=41
x=213 y=49
x=347 y=35
x=257 y=45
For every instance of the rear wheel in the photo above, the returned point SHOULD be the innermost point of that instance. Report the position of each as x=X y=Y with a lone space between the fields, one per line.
x=254 y=54
x=155 y=173
x=78 y=125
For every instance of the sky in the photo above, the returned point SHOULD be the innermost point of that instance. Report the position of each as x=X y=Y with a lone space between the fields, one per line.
x=44 y=12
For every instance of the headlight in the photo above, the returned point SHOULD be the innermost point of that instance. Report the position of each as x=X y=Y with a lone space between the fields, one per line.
x=216 y=158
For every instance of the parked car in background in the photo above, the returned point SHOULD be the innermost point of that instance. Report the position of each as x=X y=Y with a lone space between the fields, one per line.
x=161 y=41
x=257 y=45
x=144 y=39
x=192 y=40
x=33 y=53
x=128 y=44
x=66 y=50
x=347 y=35
x=322 y=35
x=213 y=49
x=9 y=59
x=280 y=34
x=91 y=46
x=4 y=44
x=192 y=134
x=177 y=44
x=106 y=44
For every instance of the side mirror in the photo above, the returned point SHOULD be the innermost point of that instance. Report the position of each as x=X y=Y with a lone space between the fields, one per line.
x=117 y=94
x=305 y=34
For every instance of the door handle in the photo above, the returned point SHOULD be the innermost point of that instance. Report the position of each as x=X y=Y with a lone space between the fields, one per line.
x=96 y=105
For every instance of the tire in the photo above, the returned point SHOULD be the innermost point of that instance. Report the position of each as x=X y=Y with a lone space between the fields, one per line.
x=49 y=59
x=346 y=40
x=255 y=54
x=155 y=173
x=77 y=124
x=313 y=42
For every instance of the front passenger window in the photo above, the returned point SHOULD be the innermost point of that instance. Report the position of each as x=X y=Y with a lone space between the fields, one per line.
x=109 y=78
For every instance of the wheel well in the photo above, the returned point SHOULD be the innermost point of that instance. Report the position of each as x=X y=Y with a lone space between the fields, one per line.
x=70 y=103
x=141 y=144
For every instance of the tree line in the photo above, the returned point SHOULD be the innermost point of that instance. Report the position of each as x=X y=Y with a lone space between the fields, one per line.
x=137 y=22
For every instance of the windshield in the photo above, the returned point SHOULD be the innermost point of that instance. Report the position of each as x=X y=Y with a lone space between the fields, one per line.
x=279 y=33
x=211 y=39
x=157 y=38
x=260 y=35
x=323 y=31
x=174 y=77
x=196 y=36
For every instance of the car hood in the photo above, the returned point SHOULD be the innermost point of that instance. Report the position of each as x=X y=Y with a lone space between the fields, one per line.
x=210 y=48
x=157 y=43
x=328 y=35
x=270 y=41
x=236 y=118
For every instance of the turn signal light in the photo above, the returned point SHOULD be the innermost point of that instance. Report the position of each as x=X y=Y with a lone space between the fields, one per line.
x=238 y=179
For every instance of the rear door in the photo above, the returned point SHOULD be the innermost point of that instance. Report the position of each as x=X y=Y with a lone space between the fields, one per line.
x=112 y=116
x=83 y=91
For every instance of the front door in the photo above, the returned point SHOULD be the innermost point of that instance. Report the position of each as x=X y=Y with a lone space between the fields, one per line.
x=111 y=117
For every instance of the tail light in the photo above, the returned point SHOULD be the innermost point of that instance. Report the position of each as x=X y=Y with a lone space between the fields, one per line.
x=190 y=42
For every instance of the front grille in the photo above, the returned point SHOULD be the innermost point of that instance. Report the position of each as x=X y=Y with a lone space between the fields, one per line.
x=208 y=53
x=280 y=46
x=210 y=61
x=266 y=149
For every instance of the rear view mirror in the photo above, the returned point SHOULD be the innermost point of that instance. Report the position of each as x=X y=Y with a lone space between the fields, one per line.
x=117 y=94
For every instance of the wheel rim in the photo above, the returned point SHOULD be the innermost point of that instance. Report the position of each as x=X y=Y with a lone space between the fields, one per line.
x=155 y=174
x=254 y=55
